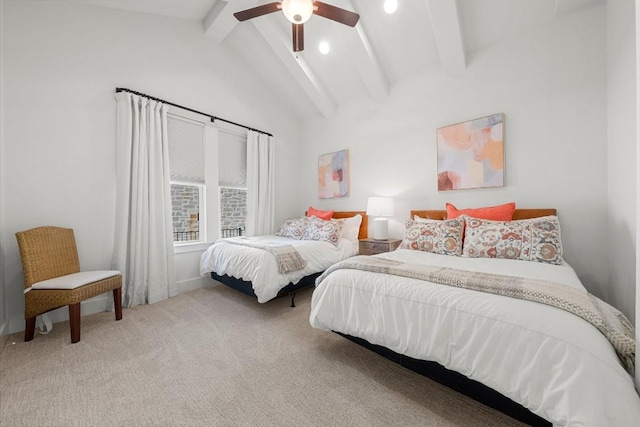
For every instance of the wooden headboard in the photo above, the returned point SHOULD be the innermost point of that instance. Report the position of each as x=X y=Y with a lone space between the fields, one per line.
x=518 y=214
x=363 y=225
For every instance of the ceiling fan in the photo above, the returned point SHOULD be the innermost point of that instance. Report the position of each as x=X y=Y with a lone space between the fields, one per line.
x=299 y=12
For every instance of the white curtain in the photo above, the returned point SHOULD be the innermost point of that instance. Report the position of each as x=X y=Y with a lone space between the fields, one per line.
x=143 y=231
x=260 y=184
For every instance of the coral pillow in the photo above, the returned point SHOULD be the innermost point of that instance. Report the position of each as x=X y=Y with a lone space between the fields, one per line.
x=326 y=215
x=492 y=213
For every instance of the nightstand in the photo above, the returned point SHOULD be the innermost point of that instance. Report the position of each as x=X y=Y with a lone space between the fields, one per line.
x=372 y=246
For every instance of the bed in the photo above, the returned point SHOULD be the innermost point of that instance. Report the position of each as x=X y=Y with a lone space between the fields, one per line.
x=509 y=353
x=254 y=271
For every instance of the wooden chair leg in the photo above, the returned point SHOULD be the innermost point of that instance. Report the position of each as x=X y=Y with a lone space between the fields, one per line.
x=30 y=328
x=74 y=322
x=117 y=302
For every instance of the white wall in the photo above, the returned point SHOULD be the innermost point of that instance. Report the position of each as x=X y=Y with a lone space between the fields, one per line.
x=621 y=137
x=549 y=82
x=61 y=65
x=637 y=181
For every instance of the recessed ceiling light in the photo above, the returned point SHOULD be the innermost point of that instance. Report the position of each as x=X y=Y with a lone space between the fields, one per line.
x=390 y=6
x=324 y=47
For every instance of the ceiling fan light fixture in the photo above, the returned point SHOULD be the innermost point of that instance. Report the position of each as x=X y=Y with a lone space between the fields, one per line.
x=297 y=11
x=390 y=6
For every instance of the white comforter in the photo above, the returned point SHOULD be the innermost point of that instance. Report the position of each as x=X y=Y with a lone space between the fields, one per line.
x=260 y=268
x=552 y=362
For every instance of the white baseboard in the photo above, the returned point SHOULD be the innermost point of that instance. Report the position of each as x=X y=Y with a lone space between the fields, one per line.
x=95 y=305
x=191 y=284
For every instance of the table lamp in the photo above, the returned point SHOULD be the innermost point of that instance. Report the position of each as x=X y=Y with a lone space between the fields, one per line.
x=380 y=207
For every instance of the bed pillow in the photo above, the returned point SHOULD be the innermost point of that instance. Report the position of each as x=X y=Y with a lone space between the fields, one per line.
x=535 y=239
x=493 y=213
x=326 y=215
x=350 y=227
x=440 y=237
x=423 y=220
x=293 y=228
x=320 y=229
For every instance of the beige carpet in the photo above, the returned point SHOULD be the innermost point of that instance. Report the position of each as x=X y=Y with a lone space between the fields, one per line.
x=215 y=357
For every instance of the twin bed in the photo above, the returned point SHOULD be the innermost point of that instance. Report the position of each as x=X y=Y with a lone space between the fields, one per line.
x=511 y=352
x=255 y=272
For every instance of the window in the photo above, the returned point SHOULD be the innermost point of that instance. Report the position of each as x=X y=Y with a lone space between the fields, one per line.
x=186 y=159
x=232 y=181
x=208 y=178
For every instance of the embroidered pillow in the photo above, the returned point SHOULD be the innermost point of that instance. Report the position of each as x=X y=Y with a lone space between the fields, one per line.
x=535 y=239
x=418 y=218
x=440 y=237
x=326 y=215
x=493 y=213
x=319 y=229
x=293 y=227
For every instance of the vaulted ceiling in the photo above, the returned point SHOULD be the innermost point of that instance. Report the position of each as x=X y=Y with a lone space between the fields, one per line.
x=367 y=60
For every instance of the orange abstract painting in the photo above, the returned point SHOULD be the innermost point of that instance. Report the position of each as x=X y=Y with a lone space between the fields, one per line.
x=471 y=154
x=333 y=175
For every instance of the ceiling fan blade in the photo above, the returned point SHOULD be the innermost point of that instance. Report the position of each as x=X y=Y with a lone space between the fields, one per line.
x=254 y=12
x=298 y=37
x=337 y=14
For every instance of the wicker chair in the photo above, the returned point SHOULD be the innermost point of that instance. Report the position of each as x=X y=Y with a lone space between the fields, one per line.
x=52 y=277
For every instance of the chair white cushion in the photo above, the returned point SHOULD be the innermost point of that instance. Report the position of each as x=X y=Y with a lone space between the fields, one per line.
x=75 y=280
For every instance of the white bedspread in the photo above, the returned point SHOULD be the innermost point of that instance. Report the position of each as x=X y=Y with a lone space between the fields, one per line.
x=260 y=268
x=552 y=362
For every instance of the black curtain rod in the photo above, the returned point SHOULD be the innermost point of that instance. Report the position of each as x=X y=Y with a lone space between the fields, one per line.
x=213 y=118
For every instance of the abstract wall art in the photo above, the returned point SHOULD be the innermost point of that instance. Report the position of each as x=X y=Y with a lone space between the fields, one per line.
x=333 y=175
x=471 y=154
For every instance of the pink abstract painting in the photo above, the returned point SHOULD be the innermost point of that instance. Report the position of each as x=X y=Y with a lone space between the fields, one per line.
x=333 y=175
x=471 y=154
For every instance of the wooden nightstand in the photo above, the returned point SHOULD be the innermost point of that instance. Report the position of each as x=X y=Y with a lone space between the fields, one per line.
x=372 y=246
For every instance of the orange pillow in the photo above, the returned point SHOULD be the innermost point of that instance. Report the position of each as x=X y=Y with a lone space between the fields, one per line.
x=493 y=213
x=326 y=215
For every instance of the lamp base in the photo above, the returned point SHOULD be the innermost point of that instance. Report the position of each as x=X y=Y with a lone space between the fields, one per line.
x=380 y=229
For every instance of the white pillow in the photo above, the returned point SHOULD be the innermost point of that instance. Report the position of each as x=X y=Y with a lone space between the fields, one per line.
x=351 y=227
x=420 y=219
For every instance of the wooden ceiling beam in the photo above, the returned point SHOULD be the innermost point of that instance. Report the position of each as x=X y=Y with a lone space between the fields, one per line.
x=364 y=59
x=220 y=21
x=446 y=28
x=296 y=66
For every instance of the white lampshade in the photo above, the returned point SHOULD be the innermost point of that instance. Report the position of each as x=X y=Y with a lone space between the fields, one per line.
x=380 y=207
x=297 y=11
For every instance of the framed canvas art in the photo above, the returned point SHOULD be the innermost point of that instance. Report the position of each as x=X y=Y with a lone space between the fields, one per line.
x=333 y=175
x=471 y=154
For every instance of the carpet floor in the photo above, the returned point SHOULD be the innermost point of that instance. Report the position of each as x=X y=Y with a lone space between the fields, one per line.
x=215 y=357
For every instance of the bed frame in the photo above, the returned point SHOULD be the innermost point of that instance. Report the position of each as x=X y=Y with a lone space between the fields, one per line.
x=518 y=214
x=246 y=287
x=453 y=379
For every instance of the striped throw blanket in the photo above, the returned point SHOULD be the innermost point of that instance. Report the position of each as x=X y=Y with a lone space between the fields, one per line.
x=287 y=257
x=607 y=319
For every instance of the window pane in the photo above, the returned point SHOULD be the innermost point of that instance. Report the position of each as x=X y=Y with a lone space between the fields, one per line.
x=232 y=151
x=186 y=152
x=185 y=202
x=233 y=211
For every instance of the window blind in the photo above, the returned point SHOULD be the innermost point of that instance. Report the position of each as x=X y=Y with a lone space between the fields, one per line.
x=232 y=152
x=186 y=149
